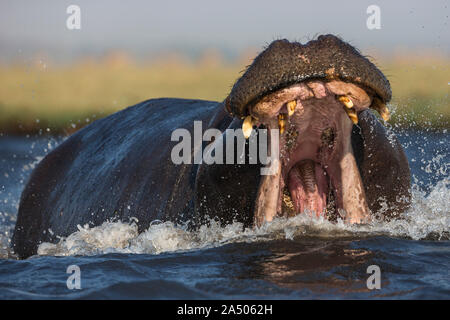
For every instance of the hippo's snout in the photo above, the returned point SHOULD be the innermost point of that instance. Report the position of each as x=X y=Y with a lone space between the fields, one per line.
x=284 y=63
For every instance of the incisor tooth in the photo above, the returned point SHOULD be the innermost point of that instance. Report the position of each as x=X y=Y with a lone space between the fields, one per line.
x=346 y=101
x=291 y=107
x=281 y=122
x=352 y=115
x=247 y=126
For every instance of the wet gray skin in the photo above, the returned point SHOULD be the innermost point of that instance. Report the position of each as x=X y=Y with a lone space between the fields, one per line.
x=120 y=166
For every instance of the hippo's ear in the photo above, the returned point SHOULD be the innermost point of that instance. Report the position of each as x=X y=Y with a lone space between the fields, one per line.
x=226 y=192
x=383 y=166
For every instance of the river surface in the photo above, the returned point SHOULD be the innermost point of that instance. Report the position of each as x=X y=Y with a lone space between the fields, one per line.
x=296 y=258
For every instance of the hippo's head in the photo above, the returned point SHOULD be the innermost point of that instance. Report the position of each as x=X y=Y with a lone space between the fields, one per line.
x=314 y=94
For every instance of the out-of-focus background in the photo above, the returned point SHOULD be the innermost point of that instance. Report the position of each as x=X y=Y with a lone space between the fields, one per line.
x=56 y=80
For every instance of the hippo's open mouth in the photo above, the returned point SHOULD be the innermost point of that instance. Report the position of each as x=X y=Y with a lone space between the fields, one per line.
x=317 y=171
x=313 y=94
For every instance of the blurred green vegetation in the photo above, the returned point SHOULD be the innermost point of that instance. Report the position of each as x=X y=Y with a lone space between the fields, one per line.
x=420 y=88
x=64 y=98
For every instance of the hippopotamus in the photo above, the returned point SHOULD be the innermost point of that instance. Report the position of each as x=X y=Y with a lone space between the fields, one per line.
x=315 y=101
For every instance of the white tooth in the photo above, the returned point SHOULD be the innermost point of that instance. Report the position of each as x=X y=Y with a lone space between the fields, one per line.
x=381 y=108
x=281 y=122
x=247 y=126
x=291 y=107
x=384 y=112
x=352 y=115
x=267 y=197
x=346 y=101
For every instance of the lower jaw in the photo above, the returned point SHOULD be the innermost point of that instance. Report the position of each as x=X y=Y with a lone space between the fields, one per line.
x=317 y=172
x=332 y=190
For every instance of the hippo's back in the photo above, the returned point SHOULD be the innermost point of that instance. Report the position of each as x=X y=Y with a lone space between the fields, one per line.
x=116 y=168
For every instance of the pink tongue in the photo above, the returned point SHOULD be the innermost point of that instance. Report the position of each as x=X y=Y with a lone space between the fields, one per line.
x=308 y=187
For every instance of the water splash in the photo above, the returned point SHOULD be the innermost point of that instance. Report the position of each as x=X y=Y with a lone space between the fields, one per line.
x=7 y=222
x=428 y=218
x=18 y=157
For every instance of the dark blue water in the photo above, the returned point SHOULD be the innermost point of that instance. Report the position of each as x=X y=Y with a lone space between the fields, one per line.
x=293 y=259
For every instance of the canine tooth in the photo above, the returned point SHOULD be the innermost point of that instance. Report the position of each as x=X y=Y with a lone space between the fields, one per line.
x=291 y=107
x=384 y=113
x=281 y=122
x=352 y=115
x=247 y=126
x=346 y=101
x=381 y=108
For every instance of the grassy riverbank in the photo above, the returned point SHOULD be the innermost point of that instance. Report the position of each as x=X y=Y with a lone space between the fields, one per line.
x=60 y=99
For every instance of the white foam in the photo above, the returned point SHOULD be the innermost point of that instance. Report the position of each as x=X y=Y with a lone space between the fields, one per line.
x=428 y=216
x=7 y=222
